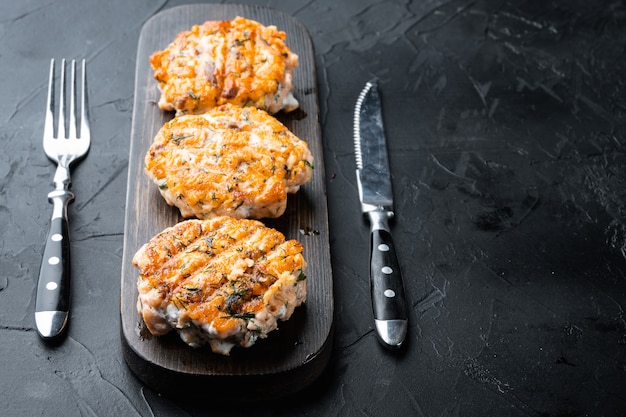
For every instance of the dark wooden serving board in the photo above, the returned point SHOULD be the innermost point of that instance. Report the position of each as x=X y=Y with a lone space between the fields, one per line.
x=295 y=354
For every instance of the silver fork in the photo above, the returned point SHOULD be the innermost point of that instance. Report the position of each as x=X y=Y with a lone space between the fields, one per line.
x=64 y=148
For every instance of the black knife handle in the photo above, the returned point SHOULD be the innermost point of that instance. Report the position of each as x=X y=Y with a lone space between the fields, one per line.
x=388 y=300
x=387 y=289
x=53 y=288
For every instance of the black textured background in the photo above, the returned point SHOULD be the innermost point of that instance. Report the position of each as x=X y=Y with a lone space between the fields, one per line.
x=505 y=123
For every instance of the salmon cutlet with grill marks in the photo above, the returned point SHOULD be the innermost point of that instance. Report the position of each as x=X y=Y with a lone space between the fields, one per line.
x=237 y=61
x=231 y=161
x=224 y=282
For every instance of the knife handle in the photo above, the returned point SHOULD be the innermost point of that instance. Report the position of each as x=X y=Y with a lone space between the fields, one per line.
x=387 y=289
x=53 y=288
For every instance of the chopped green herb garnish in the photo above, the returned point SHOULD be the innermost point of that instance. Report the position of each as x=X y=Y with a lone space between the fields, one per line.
x=239 y=42
x=244 y=316
x=177 y=139
x=301 y=276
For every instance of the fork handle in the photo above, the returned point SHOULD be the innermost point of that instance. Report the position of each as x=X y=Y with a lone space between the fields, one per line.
x=53 y=289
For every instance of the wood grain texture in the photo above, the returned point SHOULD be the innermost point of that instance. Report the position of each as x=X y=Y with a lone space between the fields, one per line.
x=294 y=355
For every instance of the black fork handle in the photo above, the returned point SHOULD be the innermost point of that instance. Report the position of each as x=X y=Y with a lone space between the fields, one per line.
x=53 y=289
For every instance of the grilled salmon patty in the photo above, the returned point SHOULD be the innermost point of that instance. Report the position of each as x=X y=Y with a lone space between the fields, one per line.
x=238 y=61
x=221 y=281
x=233 y=161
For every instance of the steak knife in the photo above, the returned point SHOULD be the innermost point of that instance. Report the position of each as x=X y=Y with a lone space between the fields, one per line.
x=375 y=192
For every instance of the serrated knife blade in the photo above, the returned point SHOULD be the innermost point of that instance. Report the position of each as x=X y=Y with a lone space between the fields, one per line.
x=376 y=195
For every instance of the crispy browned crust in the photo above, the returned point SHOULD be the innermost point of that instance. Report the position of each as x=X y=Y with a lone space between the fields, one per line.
x=233 y=161
x=238 y=61
x=221 y=281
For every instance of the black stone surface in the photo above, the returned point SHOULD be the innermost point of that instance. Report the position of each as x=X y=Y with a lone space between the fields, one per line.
x=505 y=122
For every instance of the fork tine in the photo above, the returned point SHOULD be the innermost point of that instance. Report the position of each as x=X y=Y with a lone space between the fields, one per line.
x=49 y=119
x=72 y=115
x=84 y=105
x=61 y=121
